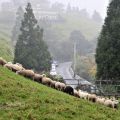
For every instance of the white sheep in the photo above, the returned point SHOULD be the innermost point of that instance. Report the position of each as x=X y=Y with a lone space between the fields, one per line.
x=53 y=84
x=8 y=65
x=83 y=95
x=111 y=103
x=26 y=73
x=46 y=80
x=14 y=67
x=100 y=100
x=76 y=93
x=38 y=78
x=60 y=86
x=92 y=97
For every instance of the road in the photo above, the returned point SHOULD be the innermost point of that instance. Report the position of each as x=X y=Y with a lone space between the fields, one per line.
x=64 y=70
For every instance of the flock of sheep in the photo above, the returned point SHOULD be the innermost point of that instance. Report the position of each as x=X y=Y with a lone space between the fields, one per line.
x=19 y=69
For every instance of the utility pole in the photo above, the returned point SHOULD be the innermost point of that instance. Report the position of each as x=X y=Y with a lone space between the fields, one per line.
x=74 y=59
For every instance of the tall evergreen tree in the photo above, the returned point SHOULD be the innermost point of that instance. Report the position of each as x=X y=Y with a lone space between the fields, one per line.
x=108 y=49
x=16 y=29
x=31 y=51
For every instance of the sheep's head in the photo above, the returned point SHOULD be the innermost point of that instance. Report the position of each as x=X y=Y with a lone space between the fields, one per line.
x=43 y=75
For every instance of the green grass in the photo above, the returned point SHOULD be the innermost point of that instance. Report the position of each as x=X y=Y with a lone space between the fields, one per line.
x=23 y=99
x=6 y=50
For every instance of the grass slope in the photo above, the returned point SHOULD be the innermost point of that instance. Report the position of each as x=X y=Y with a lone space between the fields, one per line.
x=22 y=99
x=6 y=49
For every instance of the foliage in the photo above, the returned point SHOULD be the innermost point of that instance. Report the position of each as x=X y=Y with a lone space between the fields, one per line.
x=108 y=49
x=23 y=99
x=86 y=67
x=54 y=77
x=31 y=50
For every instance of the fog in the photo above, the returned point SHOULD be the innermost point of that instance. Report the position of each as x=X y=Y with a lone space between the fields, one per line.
x=90 y=5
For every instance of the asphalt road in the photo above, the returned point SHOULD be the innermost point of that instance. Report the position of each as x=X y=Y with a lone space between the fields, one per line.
x=64 y=70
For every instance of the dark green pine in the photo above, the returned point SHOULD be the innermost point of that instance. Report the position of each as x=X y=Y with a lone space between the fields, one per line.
x=108 y=49
x=31 y=50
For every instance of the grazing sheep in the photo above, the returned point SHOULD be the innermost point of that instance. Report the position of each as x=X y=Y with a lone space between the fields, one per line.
x=17 y=67
x=76 y=93
x=26 y=73
x=100 y=100
x=2 y=61
x=83 y=95
x=92 y=97
x=8 y=65
x=109 y=103
x=38 y=78
x=116 y=103
x=52 y=84
x=69 y=90
x=62 y=86
x=46 y=81
x=14 y=67
x=58 y=85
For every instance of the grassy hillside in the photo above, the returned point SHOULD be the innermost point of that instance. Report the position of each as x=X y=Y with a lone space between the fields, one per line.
x=22 y=99
x=6 y=50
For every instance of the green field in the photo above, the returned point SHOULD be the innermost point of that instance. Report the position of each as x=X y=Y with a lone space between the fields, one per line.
x=23 y=99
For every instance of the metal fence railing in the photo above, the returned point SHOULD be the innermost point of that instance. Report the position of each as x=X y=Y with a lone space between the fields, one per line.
x=100 y=87
x=109 y=87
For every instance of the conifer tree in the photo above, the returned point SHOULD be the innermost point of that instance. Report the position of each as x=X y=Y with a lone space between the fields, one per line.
x=31 y=50
x=108 y=49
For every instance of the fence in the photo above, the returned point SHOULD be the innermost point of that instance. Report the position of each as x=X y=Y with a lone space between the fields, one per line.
x=109 y=87
x=82 y=84
x=100 y=87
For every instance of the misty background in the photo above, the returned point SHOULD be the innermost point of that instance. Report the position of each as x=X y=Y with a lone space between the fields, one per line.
x=63 y=21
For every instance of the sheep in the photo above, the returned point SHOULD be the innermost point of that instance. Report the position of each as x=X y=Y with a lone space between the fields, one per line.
x=83 y=95
x=100 y=100
x=60 y=86
x=92 y=97
x=38 y=78
x=69 y=90
x=17 y=67
x=14 y=67
x=46 y=80
x=2 y=61
x=26 y=73
x=76 y=93
x=116 y=103
x=109 y=103
x=53 y=84
x=8 y=65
